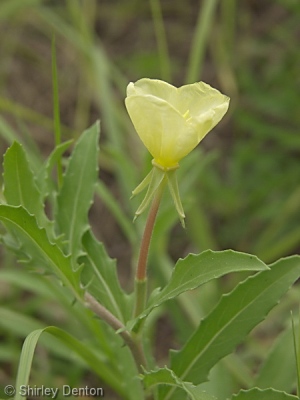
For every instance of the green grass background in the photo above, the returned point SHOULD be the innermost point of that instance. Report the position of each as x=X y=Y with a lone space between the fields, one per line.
x=240 y=187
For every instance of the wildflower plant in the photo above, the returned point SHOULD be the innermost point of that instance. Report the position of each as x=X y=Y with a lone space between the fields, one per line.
x=171 y=122
x=115 y=346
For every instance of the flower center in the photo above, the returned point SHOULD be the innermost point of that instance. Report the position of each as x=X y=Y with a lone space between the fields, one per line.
x=158 y=165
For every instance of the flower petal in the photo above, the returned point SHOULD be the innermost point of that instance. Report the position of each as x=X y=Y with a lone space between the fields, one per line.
x=158 y=125
x=171 y=121
x=154 y=87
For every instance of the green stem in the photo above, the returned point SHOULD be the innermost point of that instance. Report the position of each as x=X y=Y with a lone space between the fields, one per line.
x=140 y=287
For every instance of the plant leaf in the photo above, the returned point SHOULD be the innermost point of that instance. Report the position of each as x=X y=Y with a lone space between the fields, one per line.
x=82 y=350
x=76 y=194
x=232 y=319
x=259 y=394
x=195 y=270
x=99 y=273
x=35 y=247
x=44 y=177
x=19 y=186
x=165 y=376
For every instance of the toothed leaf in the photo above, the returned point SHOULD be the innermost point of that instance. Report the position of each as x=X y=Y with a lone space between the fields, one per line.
x=33 y=246
x=76 y=195
x=195 y=270
x=100 y=275
x=19 y=184
x=232 y=319
x=267 y=394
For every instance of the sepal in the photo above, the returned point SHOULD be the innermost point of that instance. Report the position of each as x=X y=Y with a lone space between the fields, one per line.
x=154 y=180
x=145 y=182
x=174 y=190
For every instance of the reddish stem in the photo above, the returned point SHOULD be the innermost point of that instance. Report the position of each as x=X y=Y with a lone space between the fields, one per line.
x=141 y=273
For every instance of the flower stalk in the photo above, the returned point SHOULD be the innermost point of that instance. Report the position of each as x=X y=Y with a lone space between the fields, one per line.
x=141 y=271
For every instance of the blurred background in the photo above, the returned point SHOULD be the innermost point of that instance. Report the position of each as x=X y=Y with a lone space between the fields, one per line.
x=245 y=194
x=240 y=187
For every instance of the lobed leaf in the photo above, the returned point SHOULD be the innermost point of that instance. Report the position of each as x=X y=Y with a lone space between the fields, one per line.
x=232 y=319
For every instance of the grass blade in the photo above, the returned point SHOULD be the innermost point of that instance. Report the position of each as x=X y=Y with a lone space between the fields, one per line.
x=56 y=110
x=282 y=353
x=161 y=40
x=82 y=350
x=204 y=24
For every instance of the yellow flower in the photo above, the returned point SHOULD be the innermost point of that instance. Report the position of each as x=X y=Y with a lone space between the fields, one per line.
x=172 y=121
